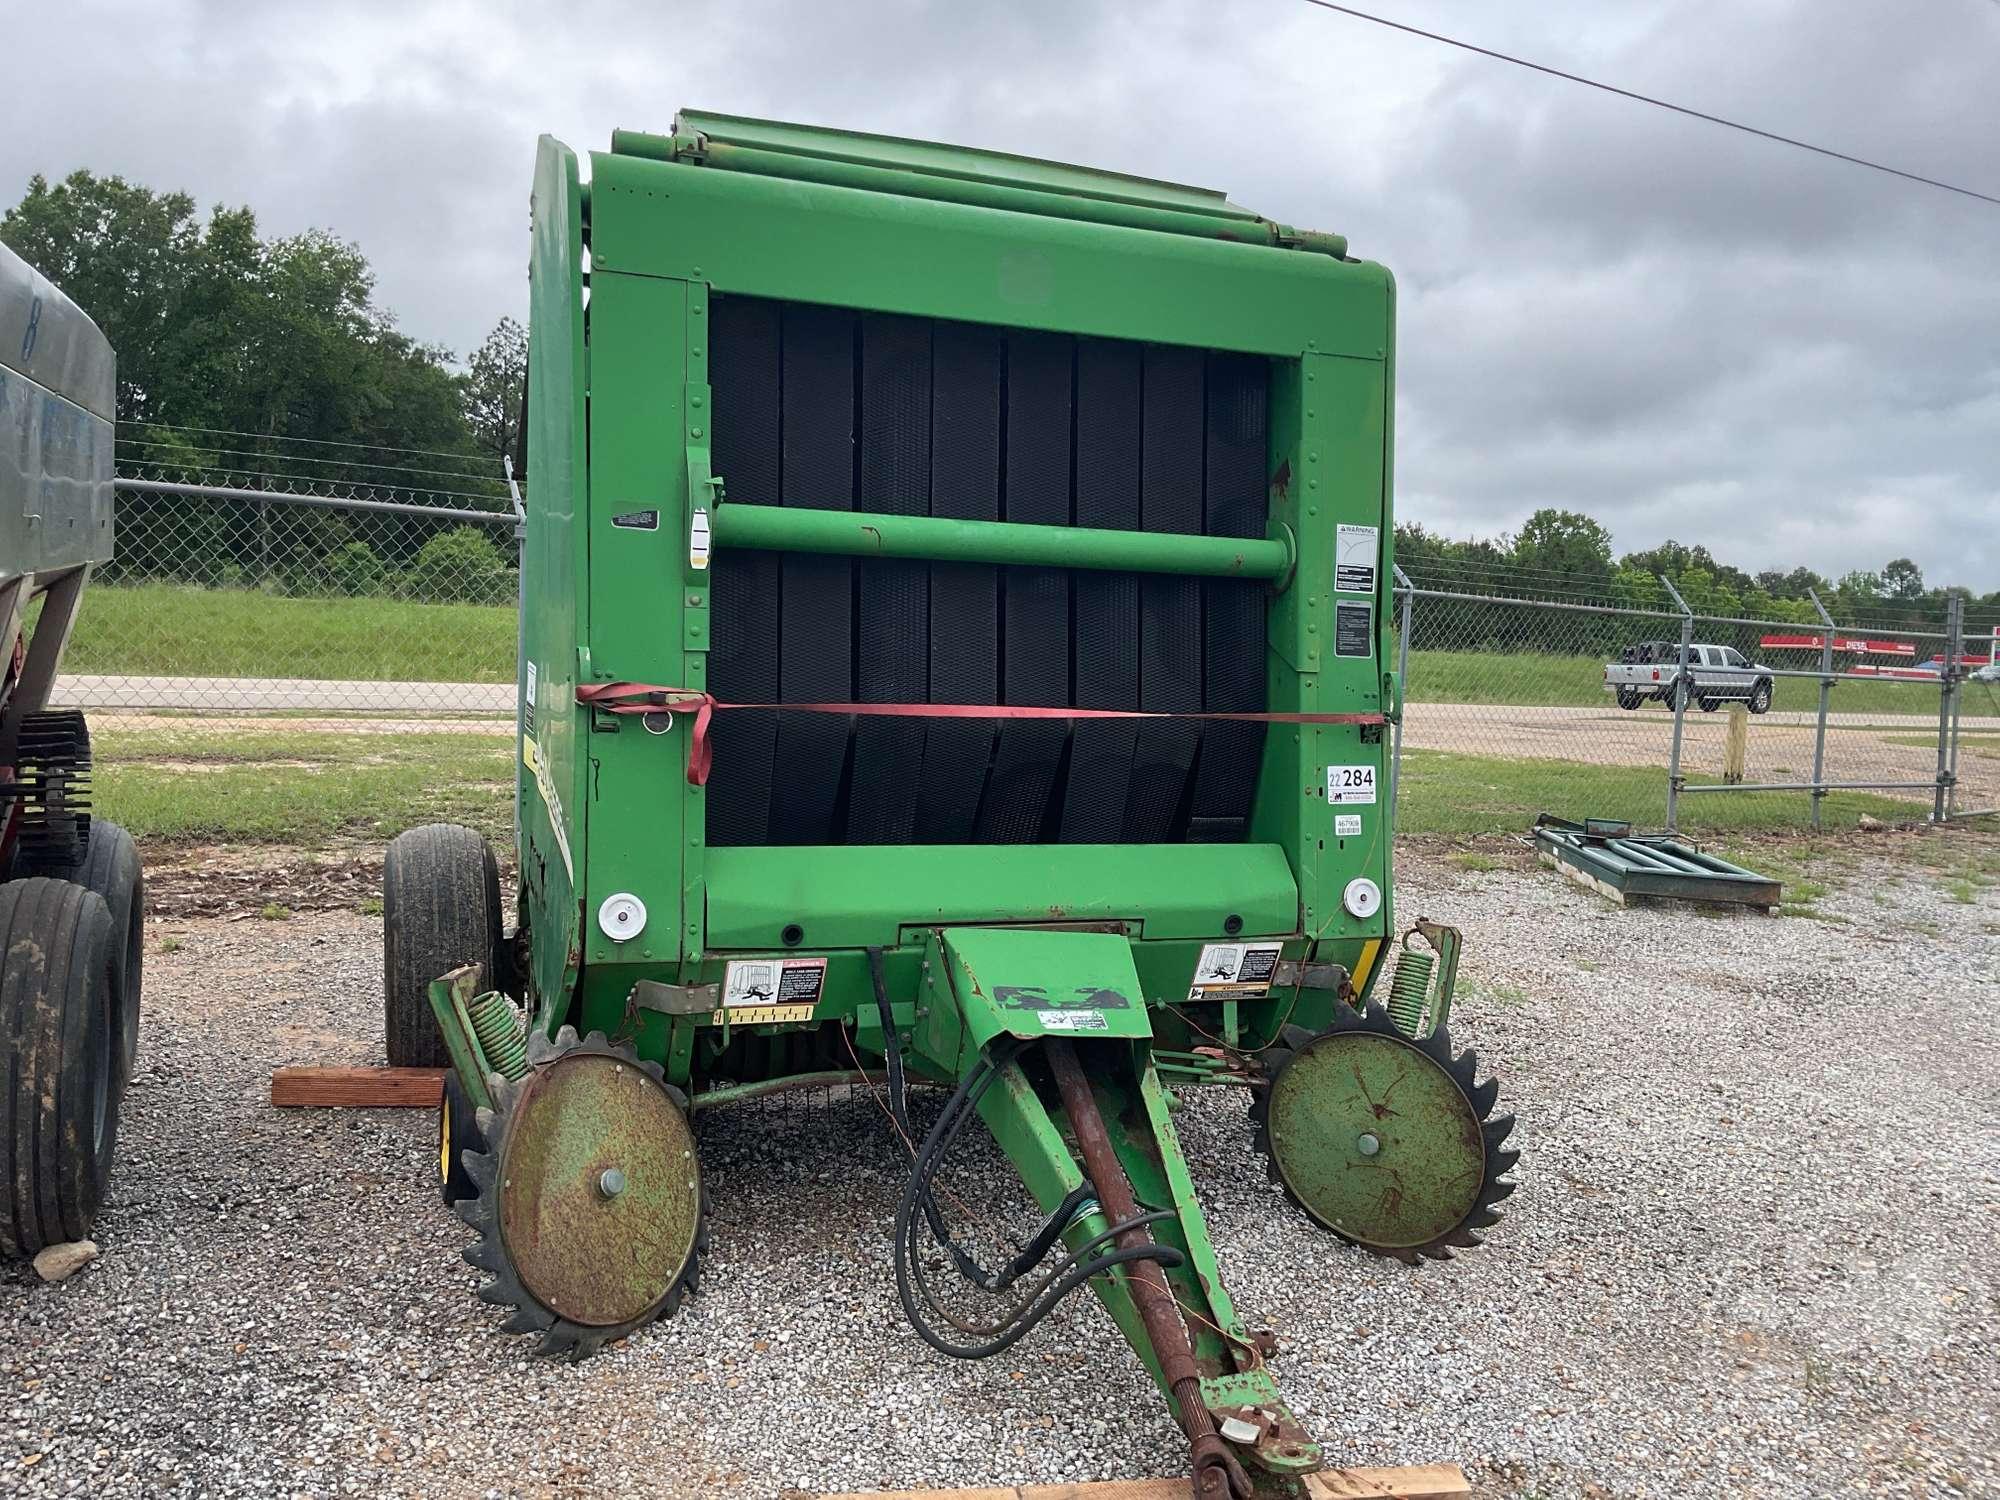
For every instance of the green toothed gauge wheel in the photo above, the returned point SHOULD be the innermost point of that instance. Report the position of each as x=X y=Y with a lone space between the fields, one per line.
x=589 y=1202
x=1385 y=1139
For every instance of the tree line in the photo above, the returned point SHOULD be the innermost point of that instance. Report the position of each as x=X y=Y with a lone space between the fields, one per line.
x=257 y=360
x=260 y=361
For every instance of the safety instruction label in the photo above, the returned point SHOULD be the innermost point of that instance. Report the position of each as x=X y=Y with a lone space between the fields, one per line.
x=756 y=991
x=1234 y=971
x=1350 y=786
x=1353 y=629
x=1355 y=551
x=1346 y=825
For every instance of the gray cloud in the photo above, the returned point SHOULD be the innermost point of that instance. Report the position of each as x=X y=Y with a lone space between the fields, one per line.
x=1682 y=330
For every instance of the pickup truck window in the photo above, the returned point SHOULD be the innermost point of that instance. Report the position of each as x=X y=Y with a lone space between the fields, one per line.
x=1733 y=657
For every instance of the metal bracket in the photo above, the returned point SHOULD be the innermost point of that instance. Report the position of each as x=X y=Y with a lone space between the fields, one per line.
x=677 y=999
x=1308 y=976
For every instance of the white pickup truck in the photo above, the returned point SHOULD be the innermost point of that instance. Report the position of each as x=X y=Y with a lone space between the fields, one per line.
x=1716 y=675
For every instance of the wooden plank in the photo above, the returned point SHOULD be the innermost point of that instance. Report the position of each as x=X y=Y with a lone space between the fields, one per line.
x=357 y=1088
x=1424 y=1482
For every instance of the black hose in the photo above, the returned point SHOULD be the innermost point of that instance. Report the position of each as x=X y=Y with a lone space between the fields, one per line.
x=1059 y=1283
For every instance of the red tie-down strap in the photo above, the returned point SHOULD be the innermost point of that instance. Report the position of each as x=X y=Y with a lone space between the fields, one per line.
x=646 y=698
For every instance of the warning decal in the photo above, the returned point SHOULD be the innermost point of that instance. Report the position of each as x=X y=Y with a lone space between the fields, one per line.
x=1235 y=971
x=757 y=991
x=1355 y=549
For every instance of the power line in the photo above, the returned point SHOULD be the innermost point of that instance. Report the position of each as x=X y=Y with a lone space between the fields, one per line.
x=1679 y=109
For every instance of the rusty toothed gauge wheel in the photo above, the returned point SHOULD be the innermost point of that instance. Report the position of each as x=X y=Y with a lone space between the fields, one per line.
x=1388 y=1140
x=589 y=1201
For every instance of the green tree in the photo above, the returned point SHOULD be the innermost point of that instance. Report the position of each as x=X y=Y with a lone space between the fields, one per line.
x=1564 y=541
x=493 y=388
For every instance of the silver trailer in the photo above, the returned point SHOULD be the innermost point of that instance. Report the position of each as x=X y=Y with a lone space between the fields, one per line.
x=72 y=900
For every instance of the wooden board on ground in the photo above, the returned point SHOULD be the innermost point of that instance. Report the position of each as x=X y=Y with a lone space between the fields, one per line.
x=357 y=1088
x=1424 y=1482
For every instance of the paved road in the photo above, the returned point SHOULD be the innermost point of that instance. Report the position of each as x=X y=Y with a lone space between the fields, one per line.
x=1860 y=746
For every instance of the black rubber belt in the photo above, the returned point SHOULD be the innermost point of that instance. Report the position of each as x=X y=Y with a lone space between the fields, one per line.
x=964 y=597
x=892 y=636
x=1107 y=604
x=743 y=654
x=1170 y=482
x=816 y=623
x=1035 y=642
x=1232 y=608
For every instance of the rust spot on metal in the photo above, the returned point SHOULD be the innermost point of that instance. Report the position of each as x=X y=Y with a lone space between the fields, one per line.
x=1282 y=480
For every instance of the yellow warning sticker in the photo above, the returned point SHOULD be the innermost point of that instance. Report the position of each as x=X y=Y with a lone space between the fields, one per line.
x=759 y=1015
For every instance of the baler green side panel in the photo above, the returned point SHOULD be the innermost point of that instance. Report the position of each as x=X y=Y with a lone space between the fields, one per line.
x=638 y=548
x=549 y=785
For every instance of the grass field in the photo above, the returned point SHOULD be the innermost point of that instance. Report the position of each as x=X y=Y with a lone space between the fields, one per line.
x=310 y=787
x=298 y=787
x=1444 y=793
x=163 y=630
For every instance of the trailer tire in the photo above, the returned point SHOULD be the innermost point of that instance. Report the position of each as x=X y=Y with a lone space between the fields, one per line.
x=1760 y=697
x=61 y=1082
x=440 y=911
x=110 y=866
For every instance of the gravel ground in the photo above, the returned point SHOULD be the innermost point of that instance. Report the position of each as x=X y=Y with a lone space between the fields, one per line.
x=1751 y=1252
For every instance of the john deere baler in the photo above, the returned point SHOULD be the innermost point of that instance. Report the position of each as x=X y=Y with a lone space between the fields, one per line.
x=955 y=592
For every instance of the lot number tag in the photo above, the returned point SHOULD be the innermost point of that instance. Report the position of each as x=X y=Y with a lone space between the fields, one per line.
x=1350 y=786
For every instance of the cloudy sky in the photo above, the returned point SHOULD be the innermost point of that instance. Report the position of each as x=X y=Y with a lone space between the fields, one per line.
x=1682 y=330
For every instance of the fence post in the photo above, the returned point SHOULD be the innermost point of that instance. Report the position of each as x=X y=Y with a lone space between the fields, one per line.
x=1954 y=619
x=1681 y=681
x=1408 y=591
x=1825 y=695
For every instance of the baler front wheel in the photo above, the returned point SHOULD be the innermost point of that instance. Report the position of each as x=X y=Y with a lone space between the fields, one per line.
x=61 y=1080
x=440 y=911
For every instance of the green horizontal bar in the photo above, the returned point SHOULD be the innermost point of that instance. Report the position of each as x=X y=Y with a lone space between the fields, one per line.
x=773 y=528
x=979 y=194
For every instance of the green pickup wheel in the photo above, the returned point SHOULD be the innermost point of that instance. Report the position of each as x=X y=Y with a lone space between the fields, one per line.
x=1387 y=1140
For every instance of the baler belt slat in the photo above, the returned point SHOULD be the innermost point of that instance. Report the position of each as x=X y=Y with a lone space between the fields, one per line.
x=816 y=617
x=1169 y=644
x=893 y=632
x=1232 y=609
x=743 y=659
x=964 y=597
x=1035 y=641
x=1107 y=604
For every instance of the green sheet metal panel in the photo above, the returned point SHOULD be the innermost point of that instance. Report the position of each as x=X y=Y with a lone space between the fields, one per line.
x=850 y=897
x=887 y=253
x=549 y=775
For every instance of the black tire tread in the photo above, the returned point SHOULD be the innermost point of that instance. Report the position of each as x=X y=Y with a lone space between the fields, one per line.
x=57 y=982
x=109 y=865
x=440 y=911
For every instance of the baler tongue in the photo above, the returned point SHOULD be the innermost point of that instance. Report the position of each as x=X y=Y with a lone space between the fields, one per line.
x=1048 y=1033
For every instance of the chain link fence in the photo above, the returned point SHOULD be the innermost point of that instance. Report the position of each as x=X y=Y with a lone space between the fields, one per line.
x=345 y=589
x=1512 y=708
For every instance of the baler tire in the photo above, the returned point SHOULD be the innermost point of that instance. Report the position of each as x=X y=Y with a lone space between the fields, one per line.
x=61 y=1082
x=440 y=911
x=110 y=866
x=458 y=1133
